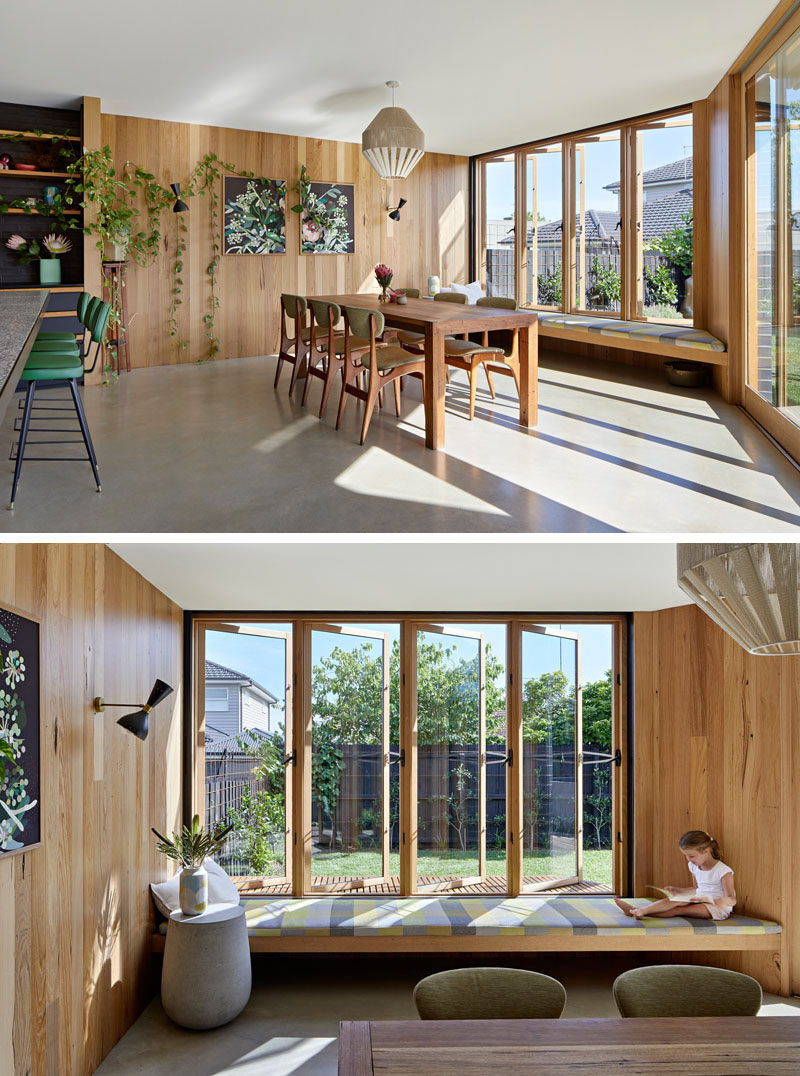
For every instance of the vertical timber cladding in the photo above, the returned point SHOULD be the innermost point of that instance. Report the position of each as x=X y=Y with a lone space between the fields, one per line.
x=717 y=745
x=75 y=913
x=431 y=236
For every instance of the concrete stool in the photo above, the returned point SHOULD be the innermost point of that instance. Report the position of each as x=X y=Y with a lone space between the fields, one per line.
x=206 y=977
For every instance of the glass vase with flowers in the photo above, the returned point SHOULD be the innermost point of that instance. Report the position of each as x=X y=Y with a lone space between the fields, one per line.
x=47 y=252
x=383 y=274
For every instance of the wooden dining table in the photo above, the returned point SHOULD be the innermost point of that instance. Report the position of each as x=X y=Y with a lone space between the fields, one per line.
x=437 y=320
x=715 y=1046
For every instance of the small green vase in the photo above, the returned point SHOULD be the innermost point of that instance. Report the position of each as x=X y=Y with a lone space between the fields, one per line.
x=49 y=271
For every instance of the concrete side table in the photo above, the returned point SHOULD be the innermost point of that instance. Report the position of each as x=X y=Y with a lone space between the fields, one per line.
x=206 y=977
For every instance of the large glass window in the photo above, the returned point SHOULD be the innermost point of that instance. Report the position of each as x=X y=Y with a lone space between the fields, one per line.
x=664 y=219
x=410 y=756
x=499 y=201
x=544 y=226
x=598 y=224
x=773 y=369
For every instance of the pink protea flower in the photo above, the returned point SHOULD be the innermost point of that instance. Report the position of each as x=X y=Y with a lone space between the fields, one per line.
x=312 y=232
x=15 y=242
x=57 y=244
x=383 y=274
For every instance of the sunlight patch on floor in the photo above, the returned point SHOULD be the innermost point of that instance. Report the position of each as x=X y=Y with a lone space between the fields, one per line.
x=288 y=433
x=280 y=1056
x=380 y=474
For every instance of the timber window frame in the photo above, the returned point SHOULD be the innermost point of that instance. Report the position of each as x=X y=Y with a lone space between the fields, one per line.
x=630 y=243
x=299 y=729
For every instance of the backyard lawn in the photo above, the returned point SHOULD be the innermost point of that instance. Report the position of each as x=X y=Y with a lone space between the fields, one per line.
x=367 y=864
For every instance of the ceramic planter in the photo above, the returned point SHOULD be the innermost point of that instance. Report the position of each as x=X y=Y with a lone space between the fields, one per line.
x=194 y=890
x=49 y=271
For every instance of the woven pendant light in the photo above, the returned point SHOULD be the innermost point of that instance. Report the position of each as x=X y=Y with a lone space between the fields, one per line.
x=393 y=144
x=751 y=591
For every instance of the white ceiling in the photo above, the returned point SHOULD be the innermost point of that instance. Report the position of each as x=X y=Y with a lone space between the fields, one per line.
x=474 y=76
x=415 y=575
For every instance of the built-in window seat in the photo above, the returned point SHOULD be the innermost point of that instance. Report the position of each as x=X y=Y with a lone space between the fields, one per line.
x=672 y=341
x=483 y=924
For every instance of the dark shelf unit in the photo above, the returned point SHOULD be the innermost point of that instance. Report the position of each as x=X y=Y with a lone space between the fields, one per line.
x=27 y=119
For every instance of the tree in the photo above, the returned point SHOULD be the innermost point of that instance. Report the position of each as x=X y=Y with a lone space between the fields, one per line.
x=597 y=806
x=259 y=820
x=597 y=705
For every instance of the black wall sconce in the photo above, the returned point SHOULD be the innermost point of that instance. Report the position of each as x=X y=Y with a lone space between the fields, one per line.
x=136 y=722
x=394 y=211
x=179 y=207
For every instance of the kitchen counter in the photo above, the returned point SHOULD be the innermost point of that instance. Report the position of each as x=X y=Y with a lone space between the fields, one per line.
x=19 y=322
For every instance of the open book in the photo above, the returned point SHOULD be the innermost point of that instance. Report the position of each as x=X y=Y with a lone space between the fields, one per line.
x=683 y=899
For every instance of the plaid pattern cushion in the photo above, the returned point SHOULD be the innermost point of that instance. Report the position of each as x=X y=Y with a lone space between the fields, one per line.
x=648 y=332
x=431 y=915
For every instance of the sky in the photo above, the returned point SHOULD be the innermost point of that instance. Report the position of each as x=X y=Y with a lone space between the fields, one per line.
x=602 y=166
x=263 y=660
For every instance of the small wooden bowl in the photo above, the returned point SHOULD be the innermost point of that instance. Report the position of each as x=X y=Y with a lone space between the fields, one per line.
x=25 y=167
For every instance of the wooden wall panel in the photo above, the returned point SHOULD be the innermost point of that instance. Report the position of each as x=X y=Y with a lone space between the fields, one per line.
x=75 y=914
x=717 y=744
x=431 y=236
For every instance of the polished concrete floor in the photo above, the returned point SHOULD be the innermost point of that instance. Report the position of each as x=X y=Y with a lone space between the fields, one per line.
x=291 y=1024
x=213 y=448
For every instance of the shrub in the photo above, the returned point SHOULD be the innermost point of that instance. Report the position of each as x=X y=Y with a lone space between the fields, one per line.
x=660 y=287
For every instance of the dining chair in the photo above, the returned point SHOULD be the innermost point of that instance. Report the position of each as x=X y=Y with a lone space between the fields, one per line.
x=489 y=994
x=50 y=366
x=382 y=363
x=326 y=350
x=686 y=990
x=409 y=339
x=293 y=348
x=497 y=351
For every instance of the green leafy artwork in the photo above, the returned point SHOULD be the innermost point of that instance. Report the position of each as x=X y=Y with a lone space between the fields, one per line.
x=255 y=216
x=19 y=738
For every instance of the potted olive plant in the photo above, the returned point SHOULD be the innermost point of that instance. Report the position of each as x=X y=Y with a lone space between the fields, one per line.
x=189 y=848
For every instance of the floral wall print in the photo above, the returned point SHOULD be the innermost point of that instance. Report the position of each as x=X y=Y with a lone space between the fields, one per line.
x=255 y=215
x=327 y=216
x=19 y=733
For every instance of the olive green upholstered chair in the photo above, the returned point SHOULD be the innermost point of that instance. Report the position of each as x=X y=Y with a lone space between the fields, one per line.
x=686 y=990
x=295 y=335
x=409 y=339
x=382 y=363
x=326 y=354
x=410 y=293
x=66 y=364
x=489 y=994
x=496 y=351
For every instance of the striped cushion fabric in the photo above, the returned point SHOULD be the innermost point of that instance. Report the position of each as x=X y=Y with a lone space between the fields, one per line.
x=432 y=914
x=648 y=332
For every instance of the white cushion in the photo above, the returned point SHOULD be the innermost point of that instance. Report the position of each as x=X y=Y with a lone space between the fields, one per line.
x=221 y=889
x=473 y=291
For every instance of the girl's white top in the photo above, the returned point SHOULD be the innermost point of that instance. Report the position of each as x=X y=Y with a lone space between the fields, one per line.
x=709 y=883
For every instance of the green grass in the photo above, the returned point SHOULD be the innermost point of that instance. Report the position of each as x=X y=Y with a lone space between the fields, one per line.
x=367 y=864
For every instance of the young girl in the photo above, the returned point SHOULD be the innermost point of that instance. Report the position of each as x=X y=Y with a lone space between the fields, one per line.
x=711 y=897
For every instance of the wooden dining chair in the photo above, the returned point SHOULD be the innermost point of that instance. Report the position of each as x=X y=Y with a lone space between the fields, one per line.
x=496 y=351
x=326 y=347
x=416 y=341
x=686 y=990
x=293 y=348
x=489 y=994
x=382 y=363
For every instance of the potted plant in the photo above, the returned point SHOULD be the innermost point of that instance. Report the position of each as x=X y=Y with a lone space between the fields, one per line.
x=47 y=252
x=189 y=848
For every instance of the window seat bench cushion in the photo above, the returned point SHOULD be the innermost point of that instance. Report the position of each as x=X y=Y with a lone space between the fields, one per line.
x=671 y=340
x=361 y=923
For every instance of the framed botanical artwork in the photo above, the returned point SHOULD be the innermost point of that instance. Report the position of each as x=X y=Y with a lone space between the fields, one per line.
x=20 y=815
x=327 y=216
x=255 y=216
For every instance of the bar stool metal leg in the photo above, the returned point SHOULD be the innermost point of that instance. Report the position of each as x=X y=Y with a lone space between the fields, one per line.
x=23 y=436
x=87 y=438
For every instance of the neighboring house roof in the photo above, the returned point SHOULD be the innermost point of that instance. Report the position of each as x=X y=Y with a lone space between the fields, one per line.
x=216 y=673
x=230 y=744
x=659 y=215
x=673 y=172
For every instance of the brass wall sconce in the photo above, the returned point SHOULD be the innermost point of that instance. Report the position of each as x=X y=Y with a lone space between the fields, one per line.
x=136 y=722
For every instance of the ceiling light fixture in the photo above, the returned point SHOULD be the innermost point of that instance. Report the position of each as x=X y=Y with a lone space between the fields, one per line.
x=394 y=210
x=393 y=144
x=136 y=722
x=750 y=591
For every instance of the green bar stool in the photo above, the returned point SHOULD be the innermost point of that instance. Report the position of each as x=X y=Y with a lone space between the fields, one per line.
x=68 y=365
x=48 y=339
